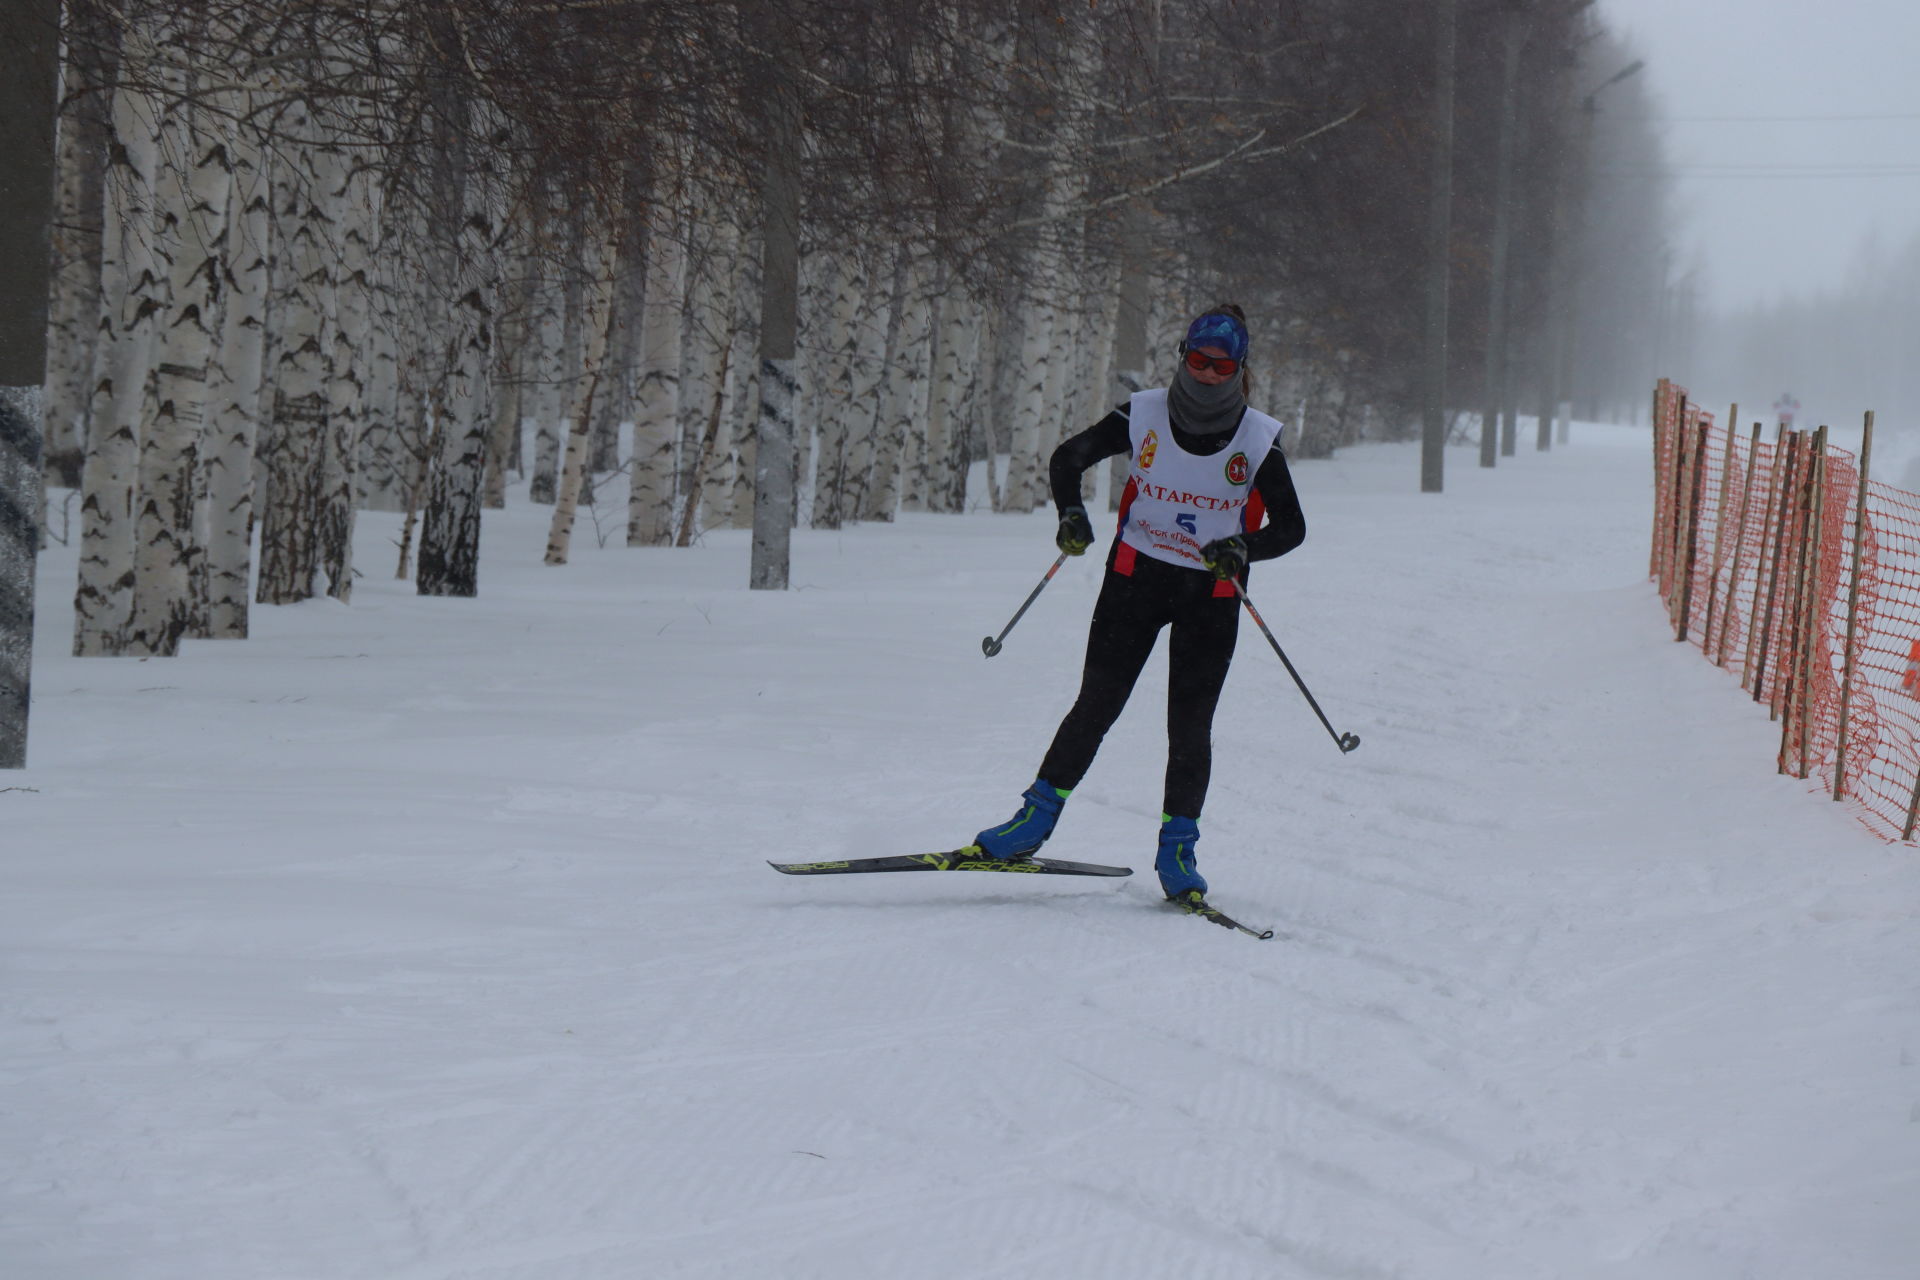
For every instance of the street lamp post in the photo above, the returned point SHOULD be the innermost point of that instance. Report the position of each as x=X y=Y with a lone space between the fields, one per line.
x=1495 y=391
x=29 y=62
x=1433 y=416
x=1570 y=249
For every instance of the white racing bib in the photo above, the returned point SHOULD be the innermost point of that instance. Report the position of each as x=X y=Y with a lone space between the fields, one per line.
x=1177 y=502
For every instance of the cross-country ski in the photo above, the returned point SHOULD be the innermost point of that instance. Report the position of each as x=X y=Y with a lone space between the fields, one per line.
x=966 y=859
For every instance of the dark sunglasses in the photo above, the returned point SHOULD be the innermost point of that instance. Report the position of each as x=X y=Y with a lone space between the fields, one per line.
x=1196 y=361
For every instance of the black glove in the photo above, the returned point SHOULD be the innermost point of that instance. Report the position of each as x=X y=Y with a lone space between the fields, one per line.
x=1227 y=557
x=1076 y=532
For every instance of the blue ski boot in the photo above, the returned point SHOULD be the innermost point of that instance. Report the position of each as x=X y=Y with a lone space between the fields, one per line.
x=1175 y=860
x=1029 y=828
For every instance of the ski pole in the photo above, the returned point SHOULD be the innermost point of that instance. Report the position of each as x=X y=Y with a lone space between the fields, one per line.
x=990 y=645
x=1345 y=741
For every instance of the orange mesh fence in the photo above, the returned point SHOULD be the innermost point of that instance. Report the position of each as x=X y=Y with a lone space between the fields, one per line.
x=1776 y=565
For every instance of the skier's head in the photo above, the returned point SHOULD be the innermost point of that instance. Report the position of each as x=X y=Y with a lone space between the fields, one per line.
x=1210 y=385
x=1216 y=343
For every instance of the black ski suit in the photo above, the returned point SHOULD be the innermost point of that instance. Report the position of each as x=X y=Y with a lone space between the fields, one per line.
x=1138 y=596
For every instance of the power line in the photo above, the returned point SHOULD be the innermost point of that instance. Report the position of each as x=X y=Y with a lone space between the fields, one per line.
x=1836 y=170
x=1770 y=171
x=1767 y=119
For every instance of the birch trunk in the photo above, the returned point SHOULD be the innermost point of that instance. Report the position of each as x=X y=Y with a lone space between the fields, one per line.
x=966 y=411
x=303 y=309
x=389 y=451
x=596 y=319
x=1063 y=371
x=613 y=404
x=1099 y=399
x=358 y=200
x=548 y=448
x=724 y=486
x=746 y=384
x=710 y=497
x=191 y=248
x=508 y=364
x=75 y=301
x=928 y=488
x=1050 y=340
x=872 y=325
x=831 y=398
x=657 y=398
x=903 y=391
x=131 y=305
x=419 y=356
x=547 y=323
x=380 y=469
x=1041 y=347
x=234 y=392
x=701 y=339
x=449 y=562
x=972 y=434
x=1132 y=300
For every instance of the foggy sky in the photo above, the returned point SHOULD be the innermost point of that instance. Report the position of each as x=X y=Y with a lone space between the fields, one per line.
x=1782 y=206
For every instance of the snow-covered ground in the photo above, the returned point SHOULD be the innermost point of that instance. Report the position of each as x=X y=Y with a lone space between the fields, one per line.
x=434 y=940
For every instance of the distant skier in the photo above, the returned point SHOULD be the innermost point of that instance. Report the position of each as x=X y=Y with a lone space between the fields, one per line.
x=1785 y=408
x=1206 y=468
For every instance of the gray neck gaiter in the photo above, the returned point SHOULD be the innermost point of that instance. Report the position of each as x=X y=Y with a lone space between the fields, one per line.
x=1203 y=410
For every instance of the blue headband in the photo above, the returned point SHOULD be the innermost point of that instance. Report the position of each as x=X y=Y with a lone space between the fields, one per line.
x=1217 y=329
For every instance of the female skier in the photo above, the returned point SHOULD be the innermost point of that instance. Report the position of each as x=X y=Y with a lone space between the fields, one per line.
x=1206 y=467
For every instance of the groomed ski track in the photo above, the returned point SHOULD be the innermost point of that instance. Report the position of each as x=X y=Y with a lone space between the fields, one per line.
x=434 y=940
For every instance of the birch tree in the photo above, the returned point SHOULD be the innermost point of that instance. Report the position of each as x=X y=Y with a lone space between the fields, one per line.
x=191 y=235
x=829 y=393
x=131 y=306
x=308 y=224
x=940 y=484
x=1047 y=347
x=546 y=327
x=596 y=319
x=657 y=395
x=745 y=407
x=234 y=394
x=508 y=384
x=711 y=336
x=866 y=361
x=573 y=342
x=903 y=386
x=358 y=201
x=74 y=304
x=388 y=437
x=450 y=532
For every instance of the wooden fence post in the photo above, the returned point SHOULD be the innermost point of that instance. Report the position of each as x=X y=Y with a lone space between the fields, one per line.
x=1720 y=533
x=1676 y=506
x=1780 y=701
x=1696 y=484
x=1756 y=635
x=1853 y=610
x=1812 y=613
x=1728 y=611
x=1791 y=689
x=1791 y=463
x=1659 y=459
